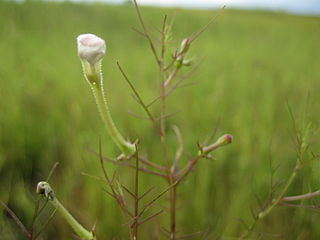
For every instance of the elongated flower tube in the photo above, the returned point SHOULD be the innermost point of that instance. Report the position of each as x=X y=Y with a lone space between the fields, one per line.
x=43 y=188
x=91 y=50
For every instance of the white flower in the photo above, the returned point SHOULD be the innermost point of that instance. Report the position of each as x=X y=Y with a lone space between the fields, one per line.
x=91 y=48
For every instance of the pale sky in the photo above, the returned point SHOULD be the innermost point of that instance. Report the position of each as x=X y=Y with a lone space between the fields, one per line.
x=295 y=6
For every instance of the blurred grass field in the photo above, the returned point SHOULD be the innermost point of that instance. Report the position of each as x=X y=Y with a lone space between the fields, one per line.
x=254 y=63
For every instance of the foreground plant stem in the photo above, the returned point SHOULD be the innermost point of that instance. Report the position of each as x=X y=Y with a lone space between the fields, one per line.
x=273 y=204
x=45 y=189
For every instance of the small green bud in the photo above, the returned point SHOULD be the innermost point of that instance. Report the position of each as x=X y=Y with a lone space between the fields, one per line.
x=187 y=62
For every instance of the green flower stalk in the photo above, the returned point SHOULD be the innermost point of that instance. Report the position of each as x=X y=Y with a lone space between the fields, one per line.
x=91 y=50
x=45 y=189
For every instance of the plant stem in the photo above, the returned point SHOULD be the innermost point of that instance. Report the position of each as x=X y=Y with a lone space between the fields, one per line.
x=45 y=189
x=173 y=211
x=278 y=199
x=302 y=197
x=274 y=202
x=77 y=227
x=136 y=202
x=94 y=77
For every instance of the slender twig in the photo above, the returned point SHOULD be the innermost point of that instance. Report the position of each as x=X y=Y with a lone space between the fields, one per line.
x=52 y=170
x=300 y=151
x=302 y=197
x=148 y=205
x=120 y=163
x=152 y=164
x=136 y=193
x=17 y=220
x=163 y=39
x=187 y=169
x=114 y=194
x=45 y=224
x=123 y=163
x=93 y=176
x=138 y=115
x=179 y=150
x=146 y=33
x=128 y=191
x=146 y=193
x=35 y=215
x=197 y=34
x=150 y=217
x=171 y=77
x=139 y=98
x=173 y=212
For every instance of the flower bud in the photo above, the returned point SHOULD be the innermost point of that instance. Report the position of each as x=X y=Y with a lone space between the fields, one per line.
x=43 y=188
x=184 y=47
x=187 y=62
x=91 y=48
x=222 y=141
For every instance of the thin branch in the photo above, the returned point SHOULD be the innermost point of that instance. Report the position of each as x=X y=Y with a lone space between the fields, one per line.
x=146 y=32
x=136 y=196
x=153 y=101
x=52 y=170
x=122 y=163
x=138 y=116
x=187 y=169
x=197 y=34
x=172 y=75
x=214 y=132
x=17 y=220
x=128 y=191
x=152 y=164
x=138 y=31
x=114 y=194
x=179 y=150
x=168 y=115
x=139 y=98
x=109 y=193
x=93 y=176
x=146 y=192
x=301 y=197
x=45 y=224
x=163 y=33
x=150 y=217
x=147 y=206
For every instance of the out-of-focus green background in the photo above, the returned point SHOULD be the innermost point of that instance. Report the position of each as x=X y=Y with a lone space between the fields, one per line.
x=255 y=62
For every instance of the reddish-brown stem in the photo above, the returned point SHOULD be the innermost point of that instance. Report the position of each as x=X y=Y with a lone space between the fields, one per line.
x=187 y=169
x=136 y=200
x=173 y=210
x=146 y=32
x=17 y=220
x=152 y=164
